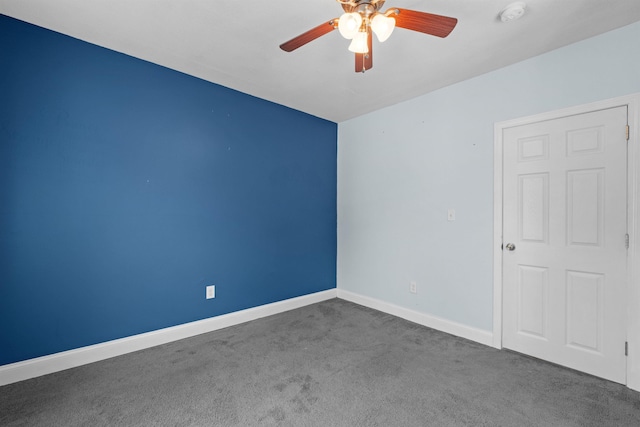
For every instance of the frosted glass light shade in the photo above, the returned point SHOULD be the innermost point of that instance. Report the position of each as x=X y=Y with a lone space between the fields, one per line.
x=349 y=24
x=382 y=26
x=359 y=43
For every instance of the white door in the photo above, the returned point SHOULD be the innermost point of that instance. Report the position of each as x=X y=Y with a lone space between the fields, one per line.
x=564 y=231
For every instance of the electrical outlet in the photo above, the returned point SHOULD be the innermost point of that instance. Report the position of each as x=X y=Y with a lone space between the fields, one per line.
x=211 y=292
x=413 y=287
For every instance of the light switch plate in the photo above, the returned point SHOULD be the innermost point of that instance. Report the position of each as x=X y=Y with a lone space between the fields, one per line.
x=451 y=214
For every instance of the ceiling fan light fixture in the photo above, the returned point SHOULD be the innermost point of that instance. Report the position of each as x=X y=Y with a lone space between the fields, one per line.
x=360 y=20
x=359 y=43
x=382 y=26
x=349 y=24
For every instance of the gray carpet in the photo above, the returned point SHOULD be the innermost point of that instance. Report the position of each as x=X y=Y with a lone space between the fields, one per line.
x=329 y=364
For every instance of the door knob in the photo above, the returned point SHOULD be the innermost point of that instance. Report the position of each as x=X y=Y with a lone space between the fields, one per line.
x=511 y=247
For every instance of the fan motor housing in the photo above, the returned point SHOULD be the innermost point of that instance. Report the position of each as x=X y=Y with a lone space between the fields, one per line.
x=364 y=7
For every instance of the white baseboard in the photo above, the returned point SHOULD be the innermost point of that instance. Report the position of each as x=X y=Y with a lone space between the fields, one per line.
x=453 y=328
x=31 y=368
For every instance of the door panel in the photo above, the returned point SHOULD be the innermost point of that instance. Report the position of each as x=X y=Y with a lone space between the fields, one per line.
x=534 y=207
x=532 y=292
x=585 y=203
x=585 y=310
x=564 y=209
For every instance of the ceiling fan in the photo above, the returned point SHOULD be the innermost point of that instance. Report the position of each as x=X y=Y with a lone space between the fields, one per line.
x=361 y=18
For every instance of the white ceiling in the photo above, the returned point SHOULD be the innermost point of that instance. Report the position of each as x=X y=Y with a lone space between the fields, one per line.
x=235 y=43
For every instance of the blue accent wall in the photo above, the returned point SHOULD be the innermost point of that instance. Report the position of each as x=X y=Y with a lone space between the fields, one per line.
x=126 y=188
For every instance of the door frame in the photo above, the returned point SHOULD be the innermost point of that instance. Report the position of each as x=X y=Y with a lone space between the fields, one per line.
x=633 y=220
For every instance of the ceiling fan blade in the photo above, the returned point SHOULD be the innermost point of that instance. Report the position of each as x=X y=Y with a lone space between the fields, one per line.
x=364 y=61
x=428 y=23
x=309 y=36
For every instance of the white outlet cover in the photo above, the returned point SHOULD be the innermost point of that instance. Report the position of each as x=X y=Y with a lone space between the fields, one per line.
x=413 y=287
x=211 y=292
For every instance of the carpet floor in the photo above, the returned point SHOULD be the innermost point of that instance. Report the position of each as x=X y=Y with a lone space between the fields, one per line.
x=334 y=363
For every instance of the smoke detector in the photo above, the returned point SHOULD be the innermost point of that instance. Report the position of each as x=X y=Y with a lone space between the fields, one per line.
x=513 y=11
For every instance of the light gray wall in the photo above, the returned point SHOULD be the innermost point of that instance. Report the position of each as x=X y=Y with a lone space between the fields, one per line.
x=402 y=167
